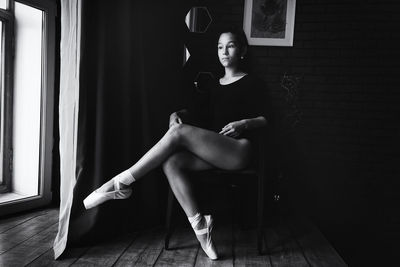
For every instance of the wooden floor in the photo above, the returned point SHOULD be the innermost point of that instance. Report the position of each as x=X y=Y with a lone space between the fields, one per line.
x=26 y=240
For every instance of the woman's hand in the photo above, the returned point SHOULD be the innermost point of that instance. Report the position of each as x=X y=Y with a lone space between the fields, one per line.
x=174 y=119
x=234 y=129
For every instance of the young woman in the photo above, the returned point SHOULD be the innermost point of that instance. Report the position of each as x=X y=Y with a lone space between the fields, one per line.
x=227 y=144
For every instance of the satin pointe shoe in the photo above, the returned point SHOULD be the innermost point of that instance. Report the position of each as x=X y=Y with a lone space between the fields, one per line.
x=97 y=197
x=209 y=247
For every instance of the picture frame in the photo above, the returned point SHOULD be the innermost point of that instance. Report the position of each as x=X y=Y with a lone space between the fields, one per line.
x=269 y=22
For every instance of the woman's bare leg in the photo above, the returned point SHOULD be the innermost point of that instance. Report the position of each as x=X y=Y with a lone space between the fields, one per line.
x=177 y=168
x=218 y=150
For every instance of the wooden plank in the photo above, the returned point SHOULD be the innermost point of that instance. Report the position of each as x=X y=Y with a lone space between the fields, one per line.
x=70 y=256
x=144 y=250
x=105 y=253
x=26 y=230
x=223 y=240
x=11 y=222
x=283 y=248
x=27 y=251
x=317 y=249
x=184 y=248
x=246 y=252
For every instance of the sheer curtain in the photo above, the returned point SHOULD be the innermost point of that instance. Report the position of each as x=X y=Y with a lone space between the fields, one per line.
x=120 y=79
x=68 y=112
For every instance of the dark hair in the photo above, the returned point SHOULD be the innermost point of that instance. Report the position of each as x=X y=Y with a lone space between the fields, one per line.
x=239 y=34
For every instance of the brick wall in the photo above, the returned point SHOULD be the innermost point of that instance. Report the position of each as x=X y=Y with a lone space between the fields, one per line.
x=340 y=160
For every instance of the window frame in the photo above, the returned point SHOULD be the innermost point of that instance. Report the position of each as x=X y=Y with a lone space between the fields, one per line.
x=44 y=197
x=7 y=17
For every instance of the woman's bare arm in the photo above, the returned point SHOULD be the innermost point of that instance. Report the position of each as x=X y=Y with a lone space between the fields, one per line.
x=236 y=128
x=254 y=123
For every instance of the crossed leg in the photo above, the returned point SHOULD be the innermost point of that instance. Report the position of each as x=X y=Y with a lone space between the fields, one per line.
x=182 y=148
x=218 y=150
x=207 y=149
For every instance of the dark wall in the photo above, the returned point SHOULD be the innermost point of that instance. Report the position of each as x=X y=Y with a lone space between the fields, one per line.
x=339 y=163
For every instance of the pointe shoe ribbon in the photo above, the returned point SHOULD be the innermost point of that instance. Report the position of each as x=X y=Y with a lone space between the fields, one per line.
x=209 y=247
x=97 y=197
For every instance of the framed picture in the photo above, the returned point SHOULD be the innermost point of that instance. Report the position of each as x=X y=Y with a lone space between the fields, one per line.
x=269 y=22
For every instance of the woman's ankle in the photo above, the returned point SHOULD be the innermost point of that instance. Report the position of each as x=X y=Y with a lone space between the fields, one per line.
x=197 y=221
x=125 y=178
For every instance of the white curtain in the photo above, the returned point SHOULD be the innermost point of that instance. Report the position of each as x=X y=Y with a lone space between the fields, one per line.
x=68 y=113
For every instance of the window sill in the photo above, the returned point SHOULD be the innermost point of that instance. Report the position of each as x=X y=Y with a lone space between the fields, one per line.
x=11 y=196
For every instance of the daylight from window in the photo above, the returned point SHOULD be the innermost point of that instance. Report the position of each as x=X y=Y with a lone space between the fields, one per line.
x=27 y=99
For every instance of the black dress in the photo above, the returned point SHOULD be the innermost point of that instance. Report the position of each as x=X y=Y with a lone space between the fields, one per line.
x=243 y=99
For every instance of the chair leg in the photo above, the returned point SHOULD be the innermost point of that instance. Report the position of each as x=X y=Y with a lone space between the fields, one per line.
x=260 y=215
x=168 y=226
x=233 y=203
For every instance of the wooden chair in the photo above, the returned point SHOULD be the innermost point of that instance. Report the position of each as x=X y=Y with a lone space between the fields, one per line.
x=257 y=170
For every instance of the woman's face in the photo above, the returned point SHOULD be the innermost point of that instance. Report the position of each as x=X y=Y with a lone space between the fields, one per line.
x=228 y=50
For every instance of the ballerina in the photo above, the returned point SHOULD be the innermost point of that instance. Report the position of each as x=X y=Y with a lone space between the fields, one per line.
x=227 y=144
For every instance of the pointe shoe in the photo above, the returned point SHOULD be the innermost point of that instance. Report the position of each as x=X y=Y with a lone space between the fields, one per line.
x=209 y=247
x=96 y=198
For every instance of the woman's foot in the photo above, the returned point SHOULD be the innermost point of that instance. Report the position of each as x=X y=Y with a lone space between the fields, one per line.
x=116 y=188
x=202 y=226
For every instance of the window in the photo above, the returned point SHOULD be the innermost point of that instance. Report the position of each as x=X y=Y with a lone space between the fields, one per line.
x=27 y=92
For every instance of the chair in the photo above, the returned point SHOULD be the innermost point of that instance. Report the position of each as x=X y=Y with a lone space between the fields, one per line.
x=257 y=170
